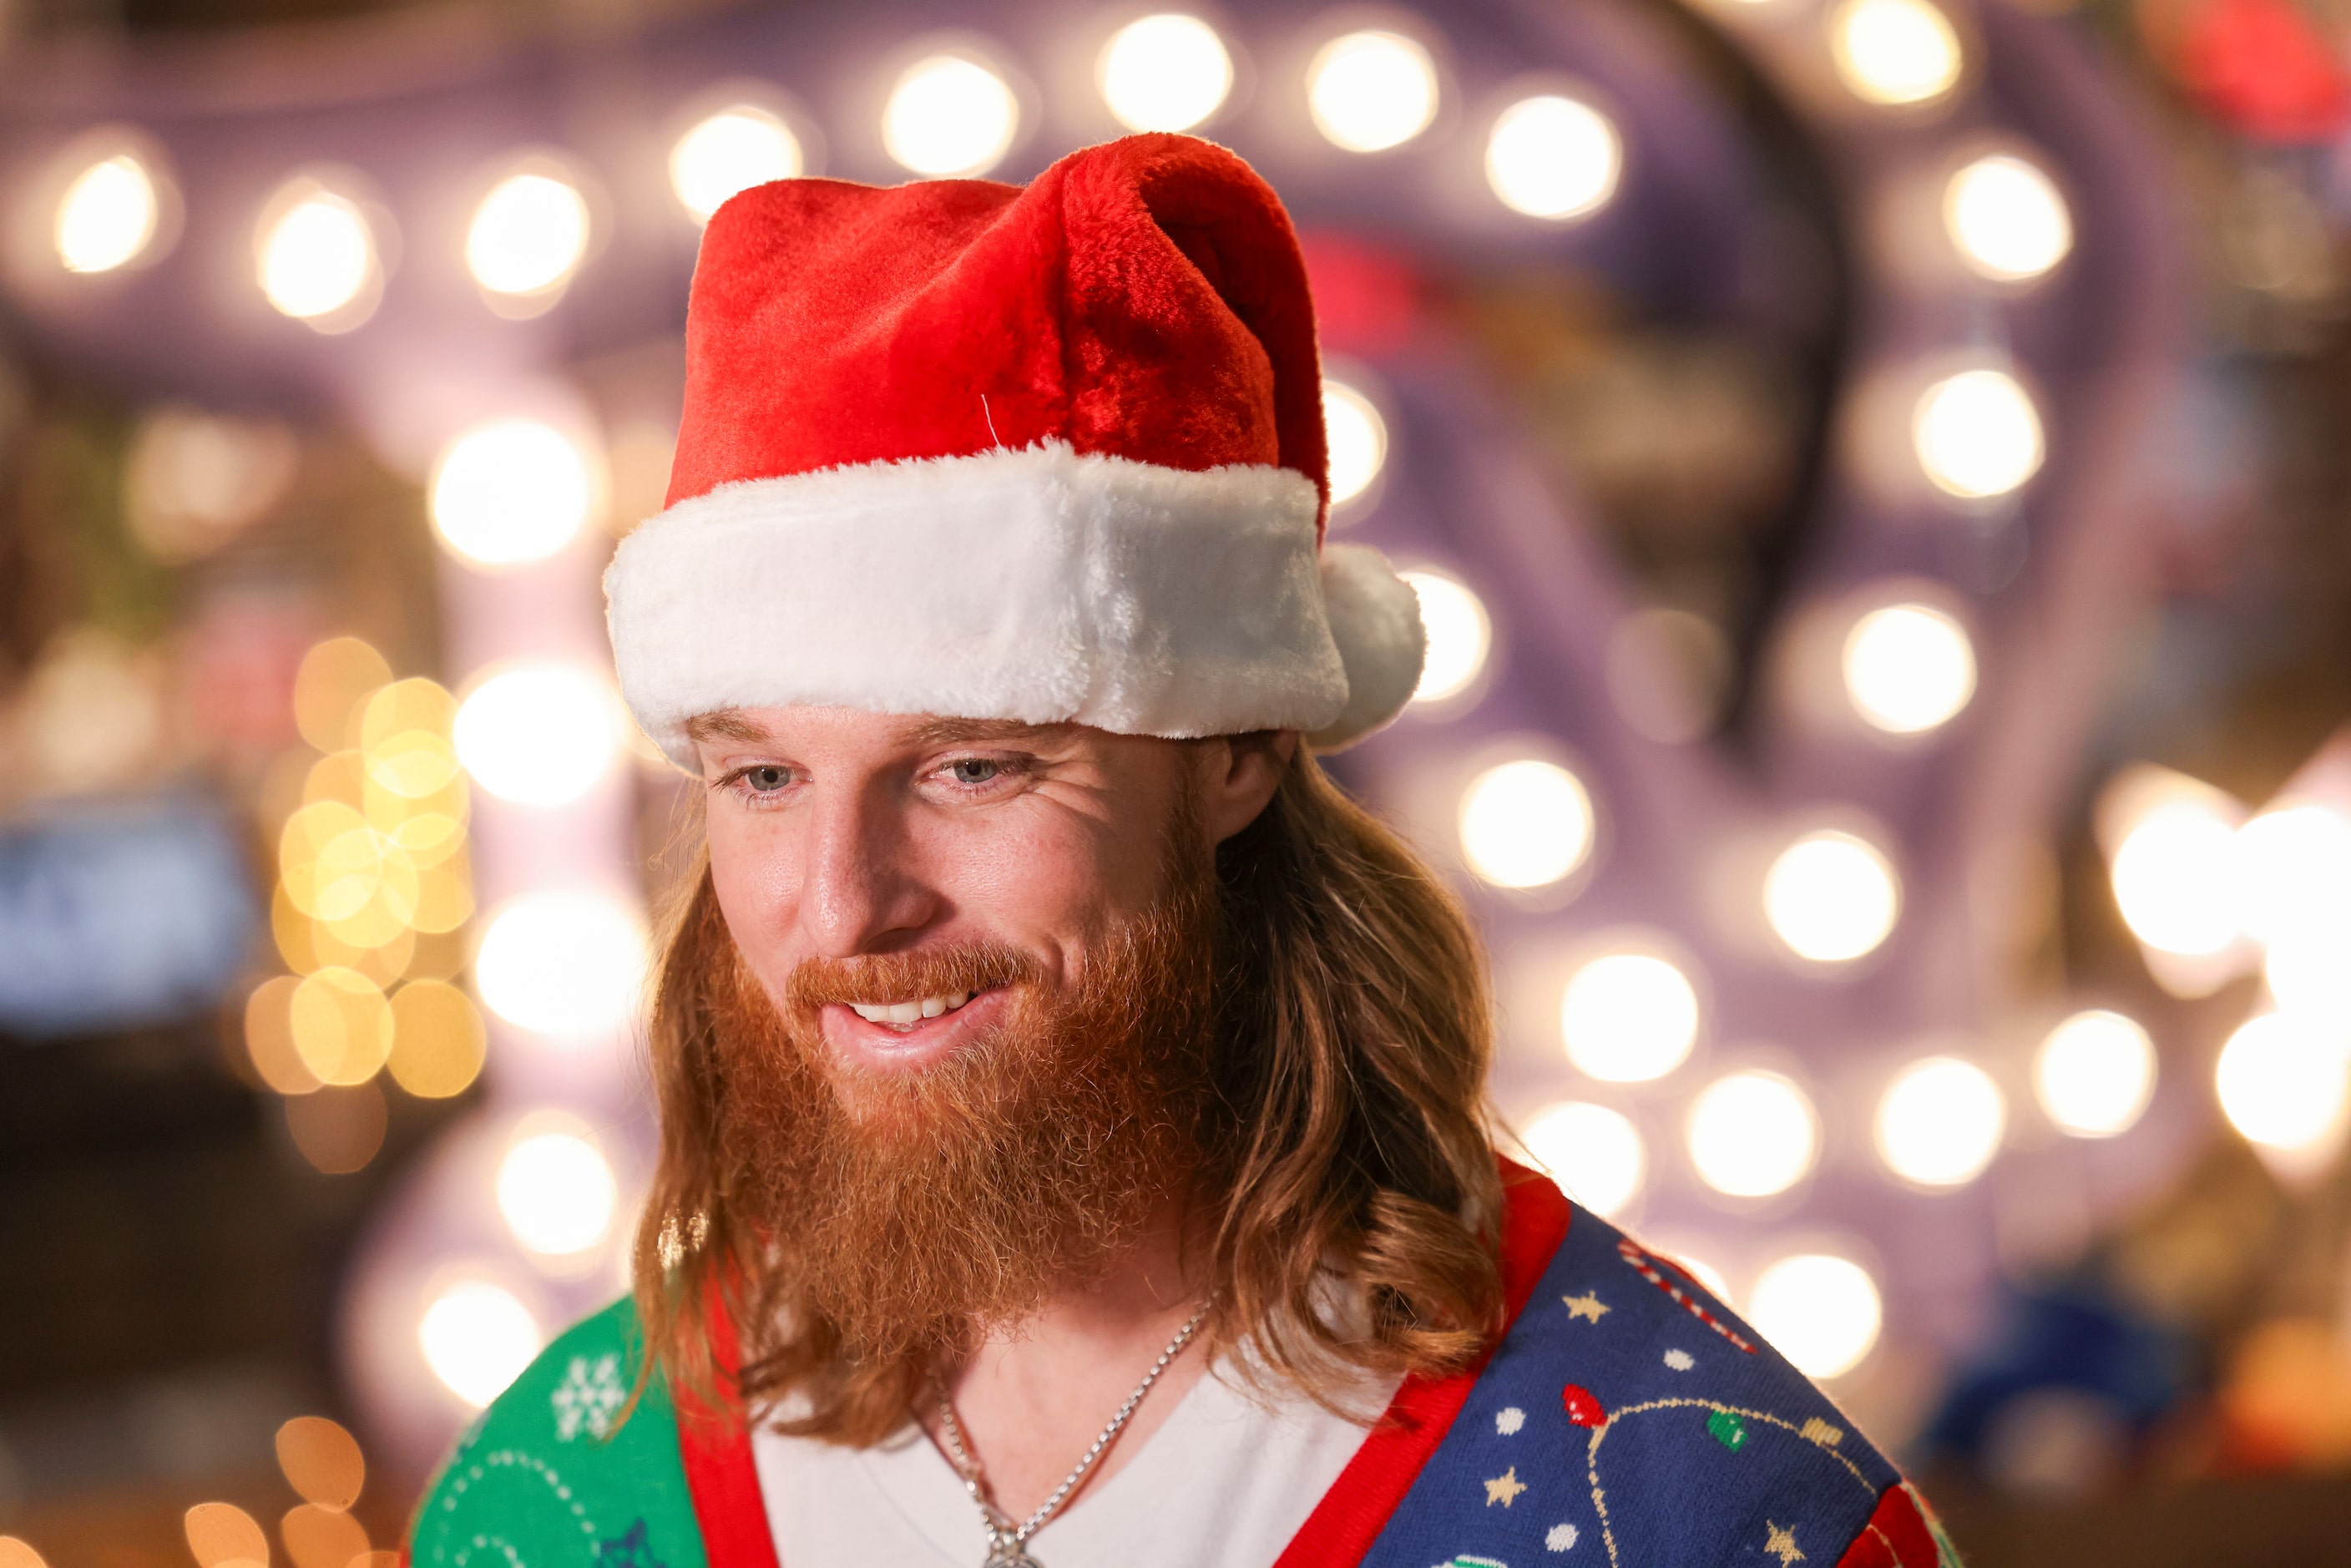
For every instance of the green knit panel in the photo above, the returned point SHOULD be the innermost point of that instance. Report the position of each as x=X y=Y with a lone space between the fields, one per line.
x=551 y=1476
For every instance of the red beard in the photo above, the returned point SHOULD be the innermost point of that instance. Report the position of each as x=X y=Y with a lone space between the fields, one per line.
x=901 y=1214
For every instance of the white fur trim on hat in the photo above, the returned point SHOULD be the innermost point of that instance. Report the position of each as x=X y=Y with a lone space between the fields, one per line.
x=1035 y=585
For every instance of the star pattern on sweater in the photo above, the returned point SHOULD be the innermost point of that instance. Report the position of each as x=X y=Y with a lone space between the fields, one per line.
x=1587 y=1306
x=1780 y=1540
x=1505 y=1488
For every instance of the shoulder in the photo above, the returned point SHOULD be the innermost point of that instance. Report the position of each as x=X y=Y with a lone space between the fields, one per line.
x=560 y=1470
x=1629 y=1410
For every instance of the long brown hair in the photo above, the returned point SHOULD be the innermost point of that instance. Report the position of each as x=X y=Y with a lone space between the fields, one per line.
x=1351 y=1040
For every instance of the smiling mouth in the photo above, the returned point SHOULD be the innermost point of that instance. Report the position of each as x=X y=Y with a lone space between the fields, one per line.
x=905 y=1015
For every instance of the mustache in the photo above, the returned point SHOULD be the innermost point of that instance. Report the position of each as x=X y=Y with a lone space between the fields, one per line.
x=895 y=976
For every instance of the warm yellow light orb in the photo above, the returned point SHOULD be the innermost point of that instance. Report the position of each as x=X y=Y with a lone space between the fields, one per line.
x=1460 y=635
x=1372 y=90
x=1525 y=824
x=2094 y=1073
x=1358 y=440
x=1895 y=52
x=1627 y=1017
x=1752 y=1133
x=108 y=215
x=317 y=255
x=2284 y=1081
x=1165 y=72
x=2176 y=879
x=476 y=1338
x=528 y=236
x=728 y=153
x=1832 y=897
x=1553 y=157
x=562 y=963
x=1908 y=668
x=557 y=1193
x=2006 y=218
x=538 y=734
x=1595 y=1154
x=1940 y=1121
x=950 y=116
x=1822 y=1312
x=1976 y=434
x=511 y=491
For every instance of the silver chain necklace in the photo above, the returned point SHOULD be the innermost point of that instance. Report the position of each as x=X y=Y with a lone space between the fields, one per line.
x=1008 y=1543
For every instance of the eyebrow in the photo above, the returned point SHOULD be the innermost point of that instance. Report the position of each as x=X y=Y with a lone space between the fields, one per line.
x=729 y=724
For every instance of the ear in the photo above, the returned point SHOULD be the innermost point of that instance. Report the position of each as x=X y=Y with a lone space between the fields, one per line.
x=1239 y=774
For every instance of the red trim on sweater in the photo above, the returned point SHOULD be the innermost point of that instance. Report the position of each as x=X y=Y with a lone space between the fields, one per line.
x=1355 y=1510
x=1897 y=1535
x=716 y=1445
x=725 y=1483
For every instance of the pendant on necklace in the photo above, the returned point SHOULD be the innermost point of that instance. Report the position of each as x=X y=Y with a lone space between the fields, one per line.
x=1006 y=1552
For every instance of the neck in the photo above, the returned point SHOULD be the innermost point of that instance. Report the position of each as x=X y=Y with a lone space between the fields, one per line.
x=1035 y=1394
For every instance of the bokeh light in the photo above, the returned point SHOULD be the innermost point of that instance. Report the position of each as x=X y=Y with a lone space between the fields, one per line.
x=269 y=1037
x=17 y=1553
x=1372 y=90
x=337 y=1130
x=1358 y=439
x=1752 y=1133
x=511 y=491
x=529 y=235
x=2006 y=218
x=2284 y=1081
x=562 y=963
x=1908 y=668
x=322 y=1461
x=557 y=1193
x=1595 y=1153
x=1939 y=1121
x=108 y=216
x=538 y=734
x=438 y=1043
x=193 y=480
x=2294 y=872
x=1460 y=635
x=317 y=257
x=1976 y=434
x=2175 y=878
x=219 y=1533
x=949 y=115
x=1895 y=52
x=319 y=1537
x=1525 y=824
x=1629 y=1016
x=1165 y=72
x=2308 y=973
x=2094 y=1073
x=335 y=676
x=1821 y=1311
x=727 y=152
x=1553 y=157
x=1832 y=896
x=477 y=1337
x=342 y=1026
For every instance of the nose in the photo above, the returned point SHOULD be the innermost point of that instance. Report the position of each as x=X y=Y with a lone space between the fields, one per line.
x=859 y=892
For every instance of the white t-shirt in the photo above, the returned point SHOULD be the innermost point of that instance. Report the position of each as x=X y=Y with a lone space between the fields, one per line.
x=1225 y=1482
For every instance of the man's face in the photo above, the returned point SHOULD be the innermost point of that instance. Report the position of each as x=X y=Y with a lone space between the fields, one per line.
x=1010 y=852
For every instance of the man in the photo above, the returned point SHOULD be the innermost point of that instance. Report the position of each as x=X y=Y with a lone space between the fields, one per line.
x=1072 y=1148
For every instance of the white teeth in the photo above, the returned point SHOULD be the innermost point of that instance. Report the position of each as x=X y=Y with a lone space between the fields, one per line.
x=903 y=1013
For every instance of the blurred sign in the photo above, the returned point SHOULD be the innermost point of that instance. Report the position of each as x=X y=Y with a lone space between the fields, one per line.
x=118 y=915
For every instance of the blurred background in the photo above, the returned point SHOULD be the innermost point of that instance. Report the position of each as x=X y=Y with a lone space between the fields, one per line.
x=1875 y=471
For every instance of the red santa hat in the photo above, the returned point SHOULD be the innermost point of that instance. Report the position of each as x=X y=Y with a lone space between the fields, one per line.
x=1047 y=454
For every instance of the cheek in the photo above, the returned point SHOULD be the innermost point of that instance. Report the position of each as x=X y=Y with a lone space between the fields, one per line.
x=754 y=872
x=1047 y=882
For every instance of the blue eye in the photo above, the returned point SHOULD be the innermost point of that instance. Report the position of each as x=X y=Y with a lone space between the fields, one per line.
x=973 y=769
x=766 y=780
